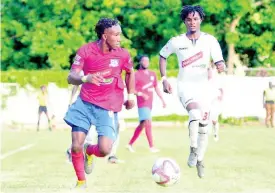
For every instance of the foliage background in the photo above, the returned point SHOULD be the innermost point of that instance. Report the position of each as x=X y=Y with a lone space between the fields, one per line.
x=46 y=34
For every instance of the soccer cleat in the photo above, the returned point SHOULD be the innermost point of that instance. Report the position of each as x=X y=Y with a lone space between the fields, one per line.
x=200 y=169
x=80 y=184
x=69 y=155
x=154 y=150
x=89 y=161
x=130 y=148
x=114 y=160
x=193 y=157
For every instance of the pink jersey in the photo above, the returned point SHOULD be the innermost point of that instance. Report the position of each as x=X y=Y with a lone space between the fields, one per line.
x=90 y=59
x=146 y=81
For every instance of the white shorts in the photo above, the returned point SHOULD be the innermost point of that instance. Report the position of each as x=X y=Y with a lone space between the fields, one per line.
x=199 y=93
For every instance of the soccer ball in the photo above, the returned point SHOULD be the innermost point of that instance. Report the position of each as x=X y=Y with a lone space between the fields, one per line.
x=165 y=172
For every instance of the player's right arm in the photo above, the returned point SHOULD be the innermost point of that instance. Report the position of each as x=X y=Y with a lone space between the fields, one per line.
x=75 y=77
x=165 y=52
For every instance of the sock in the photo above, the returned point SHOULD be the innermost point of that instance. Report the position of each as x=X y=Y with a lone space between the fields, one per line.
x=136 y=135
x=78 y=163
x=202 y=142
x=94 y=150
x=148 y=131
x=216 y=128
x=193 y=133
x=115 y=146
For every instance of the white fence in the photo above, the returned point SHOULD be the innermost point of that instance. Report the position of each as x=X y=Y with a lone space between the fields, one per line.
x=242 y=97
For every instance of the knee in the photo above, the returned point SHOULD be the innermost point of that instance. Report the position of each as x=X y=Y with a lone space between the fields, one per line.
x=195 y=115
x=105 y=149
x=146 y=122
x=77 y=147
x=203 y=129
x=143 y=123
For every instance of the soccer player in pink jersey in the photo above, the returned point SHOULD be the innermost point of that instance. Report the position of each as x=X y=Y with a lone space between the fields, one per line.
x=101 y=95
x=194 y=50
x=146 y=83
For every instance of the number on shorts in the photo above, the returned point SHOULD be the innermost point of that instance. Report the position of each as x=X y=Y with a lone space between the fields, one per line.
x=205 y=116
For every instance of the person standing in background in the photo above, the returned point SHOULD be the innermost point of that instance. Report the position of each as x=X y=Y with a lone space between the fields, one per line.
x=43 y=99
x=269 y=104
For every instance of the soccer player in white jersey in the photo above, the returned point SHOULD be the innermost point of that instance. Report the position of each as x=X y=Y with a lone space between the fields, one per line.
x=194 y=50
x=217 y=93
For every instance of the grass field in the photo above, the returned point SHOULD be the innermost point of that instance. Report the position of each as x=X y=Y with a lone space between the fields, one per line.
x=242 y=161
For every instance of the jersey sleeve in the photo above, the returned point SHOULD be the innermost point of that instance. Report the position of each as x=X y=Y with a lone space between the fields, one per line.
x=79 y=59
x=216 y=52
x=128 y=63
x=168 y=49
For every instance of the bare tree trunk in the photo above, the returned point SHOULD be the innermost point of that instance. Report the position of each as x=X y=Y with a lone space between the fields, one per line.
x=231 y=46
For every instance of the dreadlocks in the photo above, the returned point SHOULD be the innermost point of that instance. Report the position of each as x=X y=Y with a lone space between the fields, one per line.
x=191 y=9
x=103 y=24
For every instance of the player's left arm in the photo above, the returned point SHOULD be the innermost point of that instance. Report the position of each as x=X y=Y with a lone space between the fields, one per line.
x=221 y=94
x=216 y=54
x=130 y=82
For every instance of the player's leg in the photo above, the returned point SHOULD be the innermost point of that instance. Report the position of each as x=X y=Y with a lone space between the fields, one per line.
x=78 y=138
x=202 y=145
x=194 y=112
x=112 y=156
x=138 y=130
x=214 y=117
x=91 y=138
x=268 y=114
x=39 y=117
x=203 y=135
x=107 y=133
x=272 y=115
x=80 y=119
x=48 y=117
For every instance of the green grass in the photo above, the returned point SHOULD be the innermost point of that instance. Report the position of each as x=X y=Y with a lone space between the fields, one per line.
x=242 y=161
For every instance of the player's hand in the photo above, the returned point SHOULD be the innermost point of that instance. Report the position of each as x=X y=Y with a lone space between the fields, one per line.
x=167 y=87
x=96 y=79
x=129 y=104
x=163 y=104
x=220 y=67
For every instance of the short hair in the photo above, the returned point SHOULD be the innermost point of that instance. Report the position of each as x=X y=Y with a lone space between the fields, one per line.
x=103 y=24
x=186 y=10
x=138 y=58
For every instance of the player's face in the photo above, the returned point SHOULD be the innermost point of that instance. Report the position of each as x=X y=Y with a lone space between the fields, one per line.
x=193 y=22
x=145 y=62
x=112 y=36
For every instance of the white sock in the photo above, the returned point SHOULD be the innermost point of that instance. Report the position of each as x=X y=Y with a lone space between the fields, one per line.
x=91 y=137
x=202 y=142
x=193 y=133
x=216 y=128
x=115 y=146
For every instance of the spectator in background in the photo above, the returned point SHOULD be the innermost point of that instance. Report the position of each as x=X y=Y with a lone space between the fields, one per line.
x=269 y=104
x=42 y=99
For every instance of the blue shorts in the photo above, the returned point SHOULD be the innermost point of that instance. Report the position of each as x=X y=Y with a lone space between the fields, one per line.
x=81 y=115
x=144 y=113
